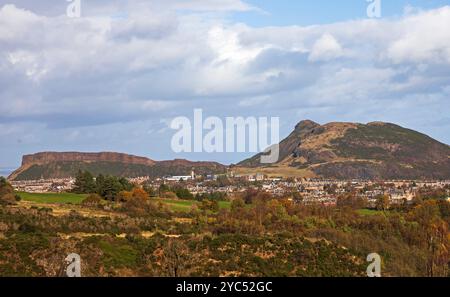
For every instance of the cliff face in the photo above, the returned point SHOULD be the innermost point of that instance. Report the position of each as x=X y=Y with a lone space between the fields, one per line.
x=49 y=165
x=48 y=157
x=363 y=151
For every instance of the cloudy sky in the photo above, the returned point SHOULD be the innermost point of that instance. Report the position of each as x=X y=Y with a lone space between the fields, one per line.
x=113 y=79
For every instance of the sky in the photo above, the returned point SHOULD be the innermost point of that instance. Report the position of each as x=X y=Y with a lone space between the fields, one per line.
x=113 y=79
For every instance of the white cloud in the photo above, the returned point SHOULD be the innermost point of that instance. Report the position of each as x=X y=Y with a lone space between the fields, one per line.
x=424 y=38
x=99 y=70
x=253 y=101
x=325 y=48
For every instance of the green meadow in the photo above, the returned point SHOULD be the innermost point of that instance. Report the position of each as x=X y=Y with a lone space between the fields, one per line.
x=52 y=197
x=65 y=198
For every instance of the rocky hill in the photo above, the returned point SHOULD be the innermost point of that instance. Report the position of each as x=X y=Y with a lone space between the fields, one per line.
x=66 y=164
x=48 y=157
x=364 y=151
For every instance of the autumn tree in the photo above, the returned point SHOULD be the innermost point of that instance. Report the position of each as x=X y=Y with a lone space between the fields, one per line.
x=124 y=196
x=382 y=202
x=140 y=194
x=237 y=204
x=435 y=231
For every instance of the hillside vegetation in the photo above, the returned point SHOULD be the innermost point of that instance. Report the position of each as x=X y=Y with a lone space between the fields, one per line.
x=356 y=151
x=141 y=236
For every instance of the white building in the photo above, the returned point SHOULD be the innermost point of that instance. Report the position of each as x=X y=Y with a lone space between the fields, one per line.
x=181 y=177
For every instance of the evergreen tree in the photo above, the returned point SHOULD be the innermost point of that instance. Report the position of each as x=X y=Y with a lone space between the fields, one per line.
x=84 y=183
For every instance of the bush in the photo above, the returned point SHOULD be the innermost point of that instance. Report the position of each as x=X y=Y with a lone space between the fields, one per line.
x=92 y=200
x=169 y=195
x=209 y=205
x=183 y=193
x=7 y=196
x=237 y=204
x=8 y=199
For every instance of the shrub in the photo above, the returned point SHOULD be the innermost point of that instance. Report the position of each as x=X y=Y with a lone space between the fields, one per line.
x=8 y=199
x=169 y=195
x=92 y=200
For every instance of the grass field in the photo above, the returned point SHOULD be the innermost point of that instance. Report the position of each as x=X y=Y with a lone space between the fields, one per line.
x=64 y=198
x=52 y=197
x=186 y=205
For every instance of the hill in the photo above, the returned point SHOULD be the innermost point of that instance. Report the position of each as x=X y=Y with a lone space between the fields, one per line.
x=358 y=151
x=62 y=165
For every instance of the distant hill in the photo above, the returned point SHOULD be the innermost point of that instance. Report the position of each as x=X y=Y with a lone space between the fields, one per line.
x=62 y=165
x=349 y=150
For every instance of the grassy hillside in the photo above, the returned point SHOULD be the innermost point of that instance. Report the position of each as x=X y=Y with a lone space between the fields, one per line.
x=348 y=150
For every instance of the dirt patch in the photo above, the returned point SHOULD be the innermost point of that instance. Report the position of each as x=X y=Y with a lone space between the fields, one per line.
x=332 y=132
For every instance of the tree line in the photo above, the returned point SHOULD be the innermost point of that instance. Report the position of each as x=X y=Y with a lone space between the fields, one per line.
x=106 y=186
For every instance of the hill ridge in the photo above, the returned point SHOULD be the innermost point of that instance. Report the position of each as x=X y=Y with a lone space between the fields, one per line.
x=49 y=165
x=345 y=150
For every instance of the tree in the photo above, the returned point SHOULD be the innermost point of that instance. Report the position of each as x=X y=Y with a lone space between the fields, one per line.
x=126 y=185
x=435 y=231
x=444 y=208
x=106 y=186
x=260 y=210
x=184 y=193
x=211 y=205
x=382 y=202
x=110 y=186
x=140 y=194
x=163 y=188
x=3 y=182
x=84 y=183
x=249 y=195
x=124 y=196
x=277 y=210
x=237 y=204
